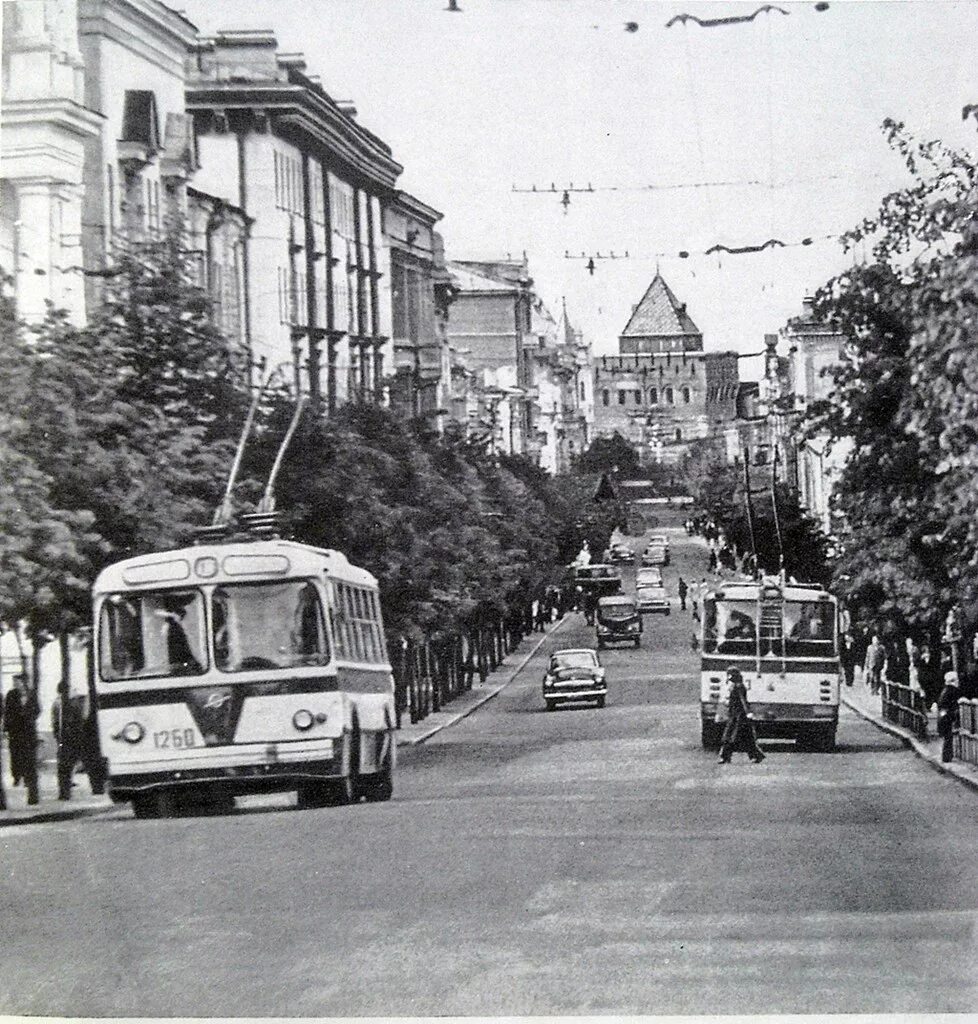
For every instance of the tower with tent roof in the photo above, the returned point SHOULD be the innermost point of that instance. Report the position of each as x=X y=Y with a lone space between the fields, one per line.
x=663 y=391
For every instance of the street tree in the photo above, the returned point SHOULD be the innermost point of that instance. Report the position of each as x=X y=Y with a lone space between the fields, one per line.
x=904 y=395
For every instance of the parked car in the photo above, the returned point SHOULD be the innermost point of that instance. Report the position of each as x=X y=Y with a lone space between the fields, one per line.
x=658 y=547
x=648 y=574
x=599 y=579
x=619 y=621
x=574 y=674
x=656 y=555
x=620 y=552
x=652 y=597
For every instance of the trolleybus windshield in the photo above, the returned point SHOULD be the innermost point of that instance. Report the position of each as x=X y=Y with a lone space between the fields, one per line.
x=809 y=629
x=151 y=634
x=729 y=627
x=268 y=625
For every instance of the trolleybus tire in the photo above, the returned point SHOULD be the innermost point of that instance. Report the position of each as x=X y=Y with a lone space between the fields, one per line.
x=551 y=705
x=379 y=787
x=599 y=702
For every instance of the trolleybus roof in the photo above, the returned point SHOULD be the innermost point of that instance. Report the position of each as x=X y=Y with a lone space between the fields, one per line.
x=249 y=560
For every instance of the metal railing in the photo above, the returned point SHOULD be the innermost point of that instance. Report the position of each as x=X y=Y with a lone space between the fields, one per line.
x=905 y=706
x=966 y=735
x=432 y=673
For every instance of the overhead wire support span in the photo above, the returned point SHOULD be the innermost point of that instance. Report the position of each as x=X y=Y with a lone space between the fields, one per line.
x=681 y=19
x=684 y=254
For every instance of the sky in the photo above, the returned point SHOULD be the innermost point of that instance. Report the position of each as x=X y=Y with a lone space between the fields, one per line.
x=538 y=92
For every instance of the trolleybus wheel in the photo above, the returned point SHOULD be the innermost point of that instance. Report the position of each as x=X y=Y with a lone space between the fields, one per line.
x=551 y=705
x=599 y=702
x=144 y=806
x=380 y=787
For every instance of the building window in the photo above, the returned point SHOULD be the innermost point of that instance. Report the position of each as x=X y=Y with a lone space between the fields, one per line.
x=679 y=434
x=638 y=397
x=605 y=397
x=692 y=369
x=686 y=396
x=621 y=397
x=582 y=391
x=669 y=397
x=653 y=396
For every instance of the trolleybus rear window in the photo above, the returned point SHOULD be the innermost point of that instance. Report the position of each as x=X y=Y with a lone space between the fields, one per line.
x=268 y=625
x=151 y=634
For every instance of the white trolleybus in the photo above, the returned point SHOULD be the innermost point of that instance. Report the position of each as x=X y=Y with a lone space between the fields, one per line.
x=242 y=667
x=783 y=639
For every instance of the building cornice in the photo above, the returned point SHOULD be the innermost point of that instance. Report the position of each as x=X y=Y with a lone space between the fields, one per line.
x=316 y=118
x=61 y=113
x=404 y=202
x=146 y=27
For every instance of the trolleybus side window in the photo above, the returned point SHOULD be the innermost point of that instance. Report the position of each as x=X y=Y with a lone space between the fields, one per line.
x=151 y=634
x=268 y=625
x=357 y=625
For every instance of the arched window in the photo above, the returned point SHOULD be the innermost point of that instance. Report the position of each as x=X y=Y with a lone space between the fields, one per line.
x=653 y=396
x=605 y=397
x=669 y=396
x=686 y=396
x=582 y=391
x=679 y=434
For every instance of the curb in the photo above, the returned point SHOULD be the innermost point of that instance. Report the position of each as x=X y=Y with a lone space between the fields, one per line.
x=486 y=697
x=64 y=814
x=914 y=744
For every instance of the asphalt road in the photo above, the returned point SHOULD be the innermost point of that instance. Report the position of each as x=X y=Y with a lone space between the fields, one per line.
x=578 y=862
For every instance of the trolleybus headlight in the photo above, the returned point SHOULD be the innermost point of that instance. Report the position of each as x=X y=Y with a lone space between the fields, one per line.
x=132 y=732
x=303 y=720
x=320 y=719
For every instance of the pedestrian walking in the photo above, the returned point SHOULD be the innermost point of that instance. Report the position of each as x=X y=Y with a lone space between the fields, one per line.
x=739 y=730
x=590 y=607
x=713 y=560
x=913 y=664
x=873 y=665
x=948 y=714
x=20 y=711
x=847 y=657
x=683 y=588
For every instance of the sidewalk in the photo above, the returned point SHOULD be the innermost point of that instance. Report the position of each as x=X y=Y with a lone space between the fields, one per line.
x=859 y=699
x=410 y=735
x=83 y=803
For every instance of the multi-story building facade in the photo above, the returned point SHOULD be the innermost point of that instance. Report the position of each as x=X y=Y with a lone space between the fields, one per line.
x=814 y=350
x=314 y=184
x=491 y=320
x=137 y=168
x=46 y=123
x=663 y=391
x=421 y=293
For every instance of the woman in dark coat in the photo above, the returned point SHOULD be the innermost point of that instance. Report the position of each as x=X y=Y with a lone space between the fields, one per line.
x=739 y=730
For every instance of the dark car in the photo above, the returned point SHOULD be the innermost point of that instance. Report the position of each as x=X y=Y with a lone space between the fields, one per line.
x=574 y=674
x=598 y=579
x=619 y=621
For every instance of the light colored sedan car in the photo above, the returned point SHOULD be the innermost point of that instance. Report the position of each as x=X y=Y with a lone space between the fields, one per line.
x=575 y=674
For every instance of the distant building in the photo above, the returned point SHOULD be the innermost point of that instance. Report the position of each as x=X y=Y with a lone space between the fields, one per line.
x=421 y=293
x=491 y=321
x=814 y=351
x=663 y=391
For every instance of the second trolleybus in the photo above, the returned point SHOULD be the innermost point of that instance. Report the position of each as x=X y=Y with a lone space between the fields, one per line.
x=783 y=637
